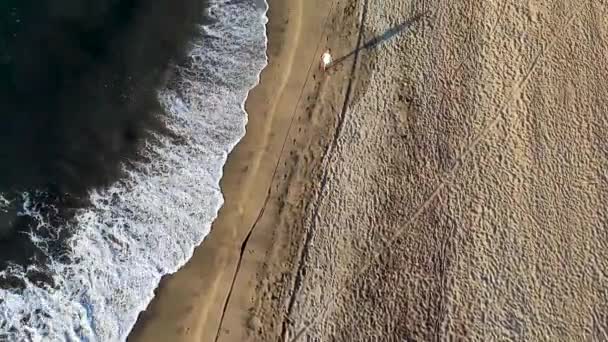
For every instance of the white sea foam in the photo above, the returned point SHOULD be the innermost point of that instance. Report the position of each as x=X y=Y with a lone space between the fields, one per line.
x=148 y=225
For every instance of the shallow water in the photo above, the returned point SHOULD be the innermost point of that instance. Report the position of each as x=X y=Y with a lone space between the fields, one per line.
x=148 y=225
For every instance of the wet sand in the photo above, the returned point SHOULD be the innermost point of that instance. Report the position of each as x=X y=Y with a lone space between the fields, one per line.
x=189 y=304
x=447 y=180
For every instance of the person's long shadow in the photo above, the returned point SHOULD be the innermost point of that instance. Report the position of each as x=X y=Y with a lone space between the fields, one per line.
x=372 y=43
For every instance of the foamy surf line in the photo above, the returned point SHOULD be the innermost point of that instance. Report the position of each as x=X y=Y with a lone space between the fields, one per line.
x=149 y=224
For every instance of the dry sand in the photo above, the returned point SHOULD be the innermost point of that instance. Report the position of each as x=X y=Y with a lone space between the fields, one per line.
x=447 y=183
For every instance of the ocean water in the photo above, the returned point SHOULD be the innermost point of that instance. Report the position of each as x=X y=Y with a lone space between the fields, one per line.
x=148 y=224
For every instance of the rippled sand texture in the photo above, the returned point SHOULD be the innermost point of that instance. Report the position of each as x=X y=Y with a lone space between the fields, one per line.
x=465 y=192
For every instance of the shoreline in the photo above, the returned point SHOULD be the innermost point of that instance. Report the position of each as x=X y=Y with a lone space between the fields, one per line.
x=188 y=305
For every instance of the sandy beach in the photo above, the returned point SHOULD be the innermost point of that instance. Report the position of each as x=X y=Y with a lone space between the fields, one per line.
x=446 y=180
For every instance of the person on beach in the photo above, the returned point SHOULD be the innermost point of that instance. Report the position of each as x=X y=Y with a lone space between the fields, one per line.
x=326 y=60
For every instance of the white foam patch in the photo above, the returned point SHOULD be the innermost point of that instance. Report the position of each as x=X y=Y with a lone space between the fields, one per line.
x=149 y=225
